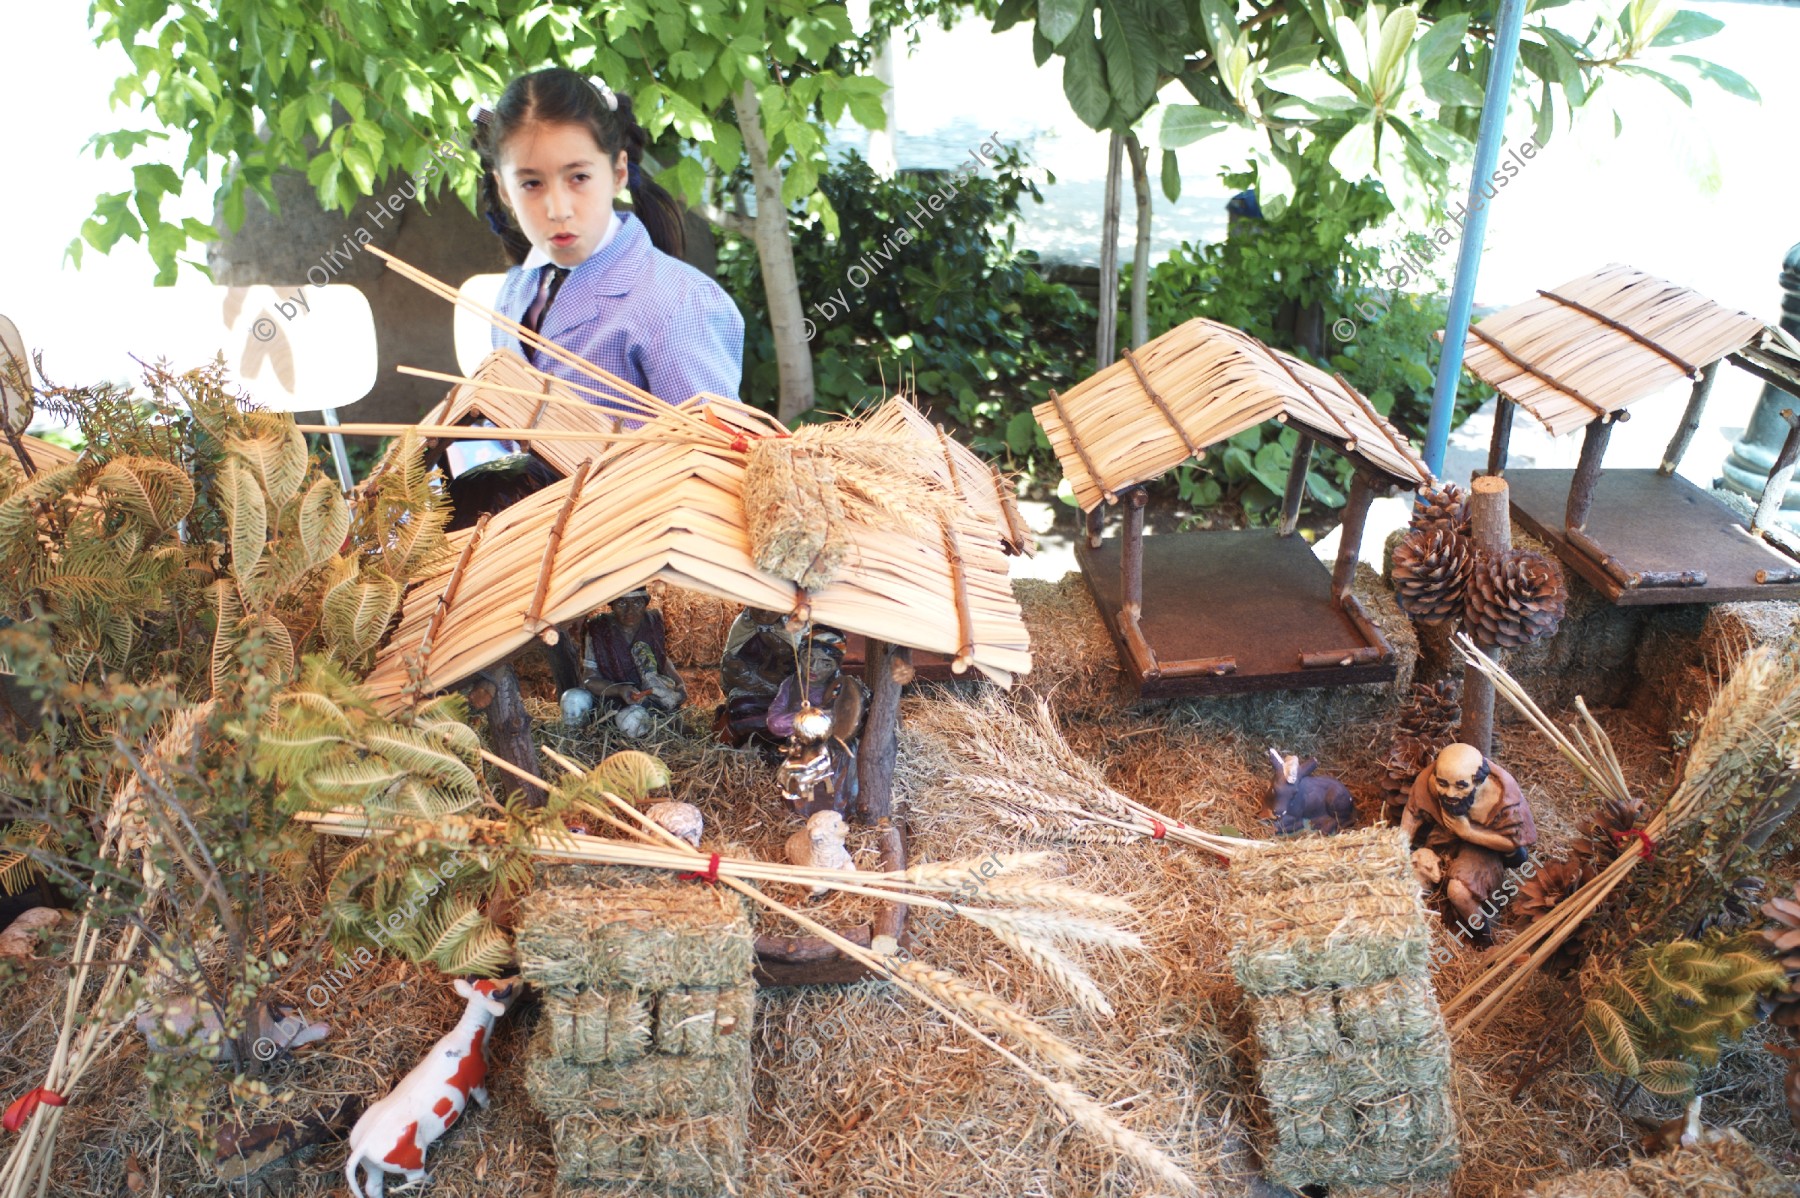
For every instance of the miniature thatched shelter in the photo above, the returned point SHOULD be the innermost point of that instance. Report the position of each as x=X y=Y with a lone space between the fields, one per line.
x=44 y=455
x=1209 y=612
x=1579 y=356
x=513 y=395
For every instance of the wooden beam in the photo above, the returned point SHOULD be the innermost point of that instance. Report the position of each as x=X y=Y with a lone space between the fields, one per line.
x=1587 y=473
x=1501 y=443
x=1775 y=490
x=1131 y=553
x=1296 y=485
x=1690 y=419
x=886 y=667
x=1356 y=515
x=1490 y=526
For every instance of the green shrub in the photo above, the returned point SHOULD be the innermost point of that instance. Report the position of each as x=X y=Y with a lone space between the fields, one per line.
x=954 y=309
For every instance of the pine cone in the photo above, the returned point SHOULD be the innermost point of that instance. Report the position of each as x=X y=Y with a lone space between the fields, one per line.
x=1435 y=713
x=1444 y=506
x=1550 y=885
x=1783 y=943
x=1431 y=570
x=1512 y=599
x=1408 y=756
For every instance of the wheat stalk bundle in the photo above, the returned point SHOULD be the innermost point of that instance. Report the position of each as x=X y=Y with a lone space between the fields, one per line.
x=1755 y=715
x=1017 y=764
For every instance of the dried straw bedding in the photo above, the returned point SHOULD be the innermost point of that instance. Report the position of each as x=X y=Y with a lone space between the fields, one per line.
x=857 y=1091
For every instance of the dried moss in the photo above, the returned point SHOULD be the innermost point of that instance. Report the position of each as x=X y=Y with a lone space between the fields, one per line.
x=1726 y=1167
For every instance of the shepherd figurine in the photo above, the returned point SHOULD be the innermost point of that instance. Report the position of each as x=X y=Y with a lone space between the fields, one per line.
x=1301 y=800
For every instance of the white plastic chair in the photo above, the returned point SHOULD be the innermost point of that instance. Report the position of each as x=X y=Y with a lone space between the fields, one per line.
x=474 y=336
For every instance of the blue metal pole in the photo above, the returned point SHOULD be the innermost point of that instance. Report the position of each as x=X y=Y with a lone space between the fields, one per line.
x=1474 y=233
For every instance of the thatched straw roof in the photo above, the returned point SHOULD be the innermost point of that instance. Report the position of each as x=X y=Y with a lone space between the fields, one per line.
x=1568 y=367
x=674 y=510
x=1200 y=383
x=44 y=454
x=979 y=484
x=506 y=409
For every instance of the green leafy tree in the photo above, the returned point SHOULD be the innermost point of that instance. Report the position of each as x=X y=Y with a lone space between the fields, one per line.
x=352 y=93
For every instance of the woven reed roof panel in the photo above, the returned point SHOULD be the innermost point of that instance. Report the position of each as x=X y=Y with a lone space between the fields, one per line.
x=505 y=409
x=1216 y=381
x=1611 y=368
x=675 y=512
x=45 y=455
x=979 y=484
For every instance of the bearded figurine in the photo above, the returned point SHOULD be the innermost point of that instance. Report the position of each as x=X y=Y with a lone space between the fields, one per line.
x=1471 y=816
x=631 y=663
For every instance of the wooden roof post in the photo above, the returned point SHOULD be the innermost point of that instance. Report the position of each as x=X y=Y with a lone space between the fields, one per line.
x=886 y=668
x=1690 y=419
x=1356 y=515
x=1131 y=552
x=1587 y=473
x=1296 y=485
x=1502 y=440
x=1775 y=491
x=1490 y=526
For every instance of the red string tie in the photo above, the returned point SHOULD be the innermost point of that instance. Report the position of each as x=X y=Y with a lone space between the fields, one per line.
x=26 y=1103
x=710 y=876
x=1639 y=835
x=1157 y=831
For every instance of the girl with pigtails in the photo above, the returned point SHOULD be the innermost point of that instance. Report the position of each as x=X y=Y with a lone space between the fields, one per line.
x=610 y=286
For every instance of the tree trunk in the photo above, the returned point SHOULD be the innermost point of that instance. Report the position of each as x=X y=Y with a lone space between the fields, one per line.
x=882 y=159
x=1106 y=336
x=1140 y=259
x=775 y=250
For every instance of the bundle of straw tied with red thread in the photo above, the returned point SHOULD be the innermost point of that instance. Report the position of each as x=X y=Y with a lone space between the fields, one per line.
x=661 y=800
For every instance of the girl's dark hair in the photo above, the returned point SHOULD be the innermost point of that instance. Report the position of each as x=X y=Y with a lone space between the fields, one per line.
x=560 y=96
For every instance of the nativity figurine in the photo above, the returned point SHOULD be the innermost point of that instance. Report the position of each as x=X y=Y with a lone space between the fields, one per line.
x=631 y=671
x=1471 y=814
x=760 y=653
x=822 y=722
x=821 y=845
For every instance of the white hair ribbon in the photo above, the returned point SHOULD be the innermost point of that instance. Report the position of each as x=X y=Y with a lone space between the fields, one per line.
x=606 y=93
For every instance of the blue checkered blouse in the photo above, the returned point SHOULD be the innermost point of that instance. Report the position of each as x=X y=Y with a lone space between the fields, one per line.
x=633 y=310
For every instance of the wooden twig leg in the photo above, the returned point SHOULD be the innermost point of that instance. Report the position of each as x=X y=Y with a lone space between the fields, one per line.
x=1690 y=419
x=496 y=693
x=1490 y=525
x=1501 y=443
x=1587 y=473
x=1780 y=474
x=886 y=668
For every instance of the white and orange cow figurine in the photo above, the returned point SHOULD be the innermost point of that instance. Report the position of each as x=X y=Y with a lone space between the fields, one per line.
x=393 y=1134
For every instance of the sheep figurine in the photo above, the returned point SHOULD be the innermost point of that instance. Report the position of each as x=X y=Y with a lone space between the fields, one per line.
x=1301 y=800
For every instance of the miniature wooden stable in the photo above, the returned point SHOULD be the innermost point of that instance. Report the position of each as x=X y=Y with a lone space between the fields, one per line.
x=1578 y=357
x=667 y=506
x=1235 y=610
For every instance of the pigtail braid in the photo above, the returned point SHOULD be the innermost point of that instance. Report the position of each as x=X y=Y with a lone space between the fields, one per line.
x=651 y=201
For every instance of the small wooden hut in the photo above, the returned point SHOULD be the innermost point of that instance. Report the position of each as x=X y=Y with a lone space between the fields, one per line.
x=674 y=509
x=1577 y=357
x=1234 y=610
x=44 y=455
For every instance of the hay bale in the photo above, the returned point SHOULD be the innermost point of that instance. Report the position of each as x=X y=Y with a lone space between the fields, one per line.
x=657 y=1084
x=1687 y=648
x=596 y=1153
x=590 y=1026
x=1724 y=1167
x=798 y=529
x=695 y=624
x=635 y=938
x=1353 y=1060
x=1329 y=911
x=704 y=1021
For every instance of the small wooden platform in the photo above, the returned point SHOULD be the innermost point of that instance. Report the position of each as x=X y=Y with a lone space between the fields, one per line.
x=1253 y=595
x=1650 y=522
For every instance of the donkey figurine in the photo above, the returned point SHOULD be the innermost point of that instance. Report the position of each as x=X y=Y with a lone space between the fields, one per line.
x=1301 y=800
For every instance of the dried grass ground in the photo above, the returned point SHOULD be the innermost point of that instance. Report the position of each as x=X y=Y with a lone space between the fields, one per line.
x=893 y=1103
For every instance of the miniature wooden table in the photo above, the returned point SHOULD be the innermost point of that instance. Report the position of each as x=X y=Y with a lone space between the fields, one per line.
x=1652 y=523
x=1252 y=595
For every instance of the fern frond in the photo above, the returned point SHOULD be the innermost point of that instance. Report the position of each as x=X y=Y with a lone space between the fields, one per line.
x=1670 y=1079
